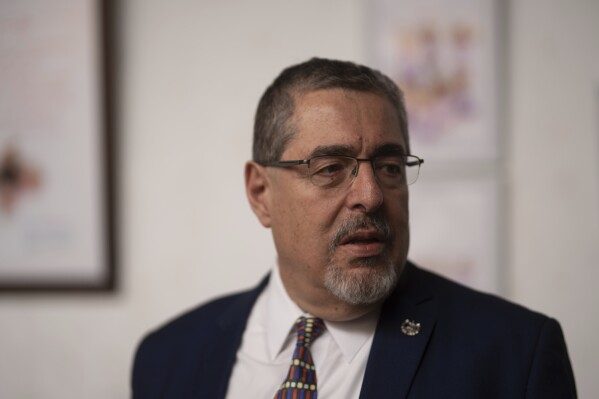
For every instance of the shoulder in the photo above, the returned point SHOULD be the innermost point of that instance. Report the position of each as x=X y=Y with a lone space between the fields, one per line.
x=470 y=317
x=192 y=323
x=475 y=333
x=459 y=301
x=481 y=322
x=192 y=335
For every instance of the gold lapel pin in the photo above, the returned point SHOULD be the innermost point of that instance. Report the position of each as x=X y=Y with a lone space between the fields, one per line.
x=410 y=327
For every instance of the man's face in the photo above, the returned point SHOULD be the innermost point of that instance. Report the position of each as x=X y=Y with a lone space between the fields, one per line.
x=349 y=243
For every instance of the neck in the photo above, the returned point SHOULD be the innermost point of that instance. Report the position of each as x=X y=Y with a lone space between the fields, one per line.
x=335 y=309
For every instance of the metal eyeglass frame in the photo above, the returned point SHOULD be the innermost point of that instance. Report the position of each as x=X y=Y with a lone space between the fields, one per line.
x=287 y=164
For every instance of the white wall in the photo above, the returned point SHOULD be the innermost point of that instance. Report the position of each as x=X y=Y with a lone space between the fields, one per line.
x=192 y=73
x=554 y=169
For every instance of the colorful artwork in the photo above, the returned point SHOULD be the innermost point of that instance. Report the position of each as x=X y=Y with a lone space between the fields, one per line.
x=442 y=56
x=439 y=93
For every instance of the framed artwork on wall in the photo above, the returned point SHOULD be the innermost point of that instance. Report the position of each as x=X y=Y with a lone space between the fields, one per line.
x=57 y=208
x=443 y=54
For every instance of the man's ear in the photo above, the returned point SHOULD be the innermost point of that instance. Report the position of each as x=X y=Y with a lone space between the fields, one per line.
x=257 y=187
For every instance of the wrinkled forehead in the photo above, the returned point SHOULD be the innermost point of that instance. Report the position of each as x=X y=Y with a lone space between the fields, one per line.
x=355 y=123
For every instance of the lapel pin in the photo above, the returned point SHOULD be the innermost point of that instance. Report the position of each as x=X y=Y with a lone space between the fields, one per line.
x=410 y=327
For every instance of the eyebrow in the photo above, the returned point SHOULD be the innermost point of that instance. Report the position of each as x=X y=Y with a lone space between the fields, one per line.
x=338 y=149
x=389 y=149
x=347 y=150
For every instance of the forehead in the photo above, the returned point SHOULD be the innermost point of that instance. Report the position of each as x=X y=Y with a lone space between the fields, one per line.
x=362 y=122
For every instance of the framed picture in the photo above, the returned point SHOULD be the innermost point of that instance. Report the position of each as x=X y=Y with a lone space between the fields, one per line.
x=57 y=208
x=443 y=54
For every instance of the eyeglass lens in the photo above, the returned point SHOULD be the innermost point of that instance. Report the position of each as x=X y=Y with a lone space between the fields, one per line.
x=390 y=171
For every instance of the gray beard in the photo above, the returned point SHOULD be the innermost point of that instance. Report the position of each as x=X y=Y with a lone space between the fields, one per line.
x=365 y=285
x=366 y=281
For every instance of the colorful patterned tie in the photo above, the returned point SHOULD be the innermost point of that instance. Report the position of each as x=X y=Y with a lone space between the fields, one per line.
x=301 y=378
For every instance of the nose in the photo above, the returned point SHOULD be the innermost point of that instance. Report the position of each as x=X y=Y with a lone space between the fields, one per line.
x=364 y=193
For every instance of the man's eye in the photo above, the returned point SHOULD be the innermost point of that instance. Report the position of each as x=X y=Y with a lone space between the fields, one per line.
x=390 y=168
x=330 y=169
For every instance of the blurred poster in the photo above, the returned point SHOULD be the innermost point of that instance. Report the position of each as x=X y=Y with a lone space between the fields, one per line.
x=442 y=54
x=53 y=191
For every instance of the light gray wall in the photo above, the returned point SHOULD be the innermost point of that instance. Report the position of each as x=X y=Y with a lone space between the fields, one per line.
x=192 y=74
x=554 y=170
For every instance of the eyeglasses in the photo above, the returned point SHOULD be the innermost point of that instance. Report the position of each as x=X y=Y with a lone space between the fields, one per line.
x=329 y=171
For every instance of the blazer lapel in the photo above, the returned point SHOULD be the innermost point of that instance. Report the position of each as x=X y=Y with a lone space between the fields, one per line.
x=397 y=349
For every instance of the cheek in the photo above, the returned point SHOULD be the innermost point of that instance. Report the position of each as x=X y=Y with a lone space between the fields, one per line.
x=291 y=223
x=313 y=221
x=396 y=202
x=305 y=226
x=398 y=213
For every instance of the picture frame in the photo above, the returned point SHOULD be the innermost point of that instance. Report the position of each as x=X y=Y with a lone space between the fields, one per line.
x=57 y=152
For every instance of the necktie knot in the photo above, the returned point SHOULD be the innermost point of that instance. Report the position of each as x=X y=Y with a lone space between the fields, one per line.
x=308 y=329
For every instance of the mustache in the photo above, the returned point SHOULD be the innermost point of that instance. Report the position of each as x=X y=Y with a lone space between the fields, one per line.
x=363 y=222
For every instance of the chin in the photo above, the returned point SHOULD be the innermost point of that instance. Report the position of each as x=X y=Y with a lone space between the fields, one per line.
x=365 y=282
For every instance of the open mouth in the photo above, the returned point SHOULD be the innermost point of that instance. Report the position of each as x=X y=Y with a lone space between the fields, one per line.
x=364 y=244
x=364 y=237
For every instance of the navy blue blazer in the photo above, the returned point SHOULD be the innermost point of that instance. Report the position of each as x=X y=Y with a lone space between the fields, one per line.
x=470 y=345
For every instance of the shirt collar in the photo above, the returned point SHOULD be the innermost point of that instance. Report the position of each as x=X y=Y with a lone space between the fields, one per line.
x=282 y=313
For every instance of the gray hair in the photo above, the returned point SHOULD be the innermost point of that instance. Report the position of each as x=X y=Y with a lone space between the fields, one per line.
x=272 y=126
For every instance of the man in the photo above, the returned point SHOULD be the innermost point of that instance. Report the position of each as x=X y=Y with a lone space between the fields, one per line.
x=329 y=176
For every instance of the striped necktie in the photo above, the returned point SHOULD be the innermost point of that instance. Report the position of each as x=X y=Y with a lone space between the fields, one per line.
x=301 y=378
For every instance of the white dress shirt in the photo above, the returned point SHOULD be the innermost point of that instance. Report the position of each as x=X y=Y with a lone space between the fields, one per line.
x=340 y=353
